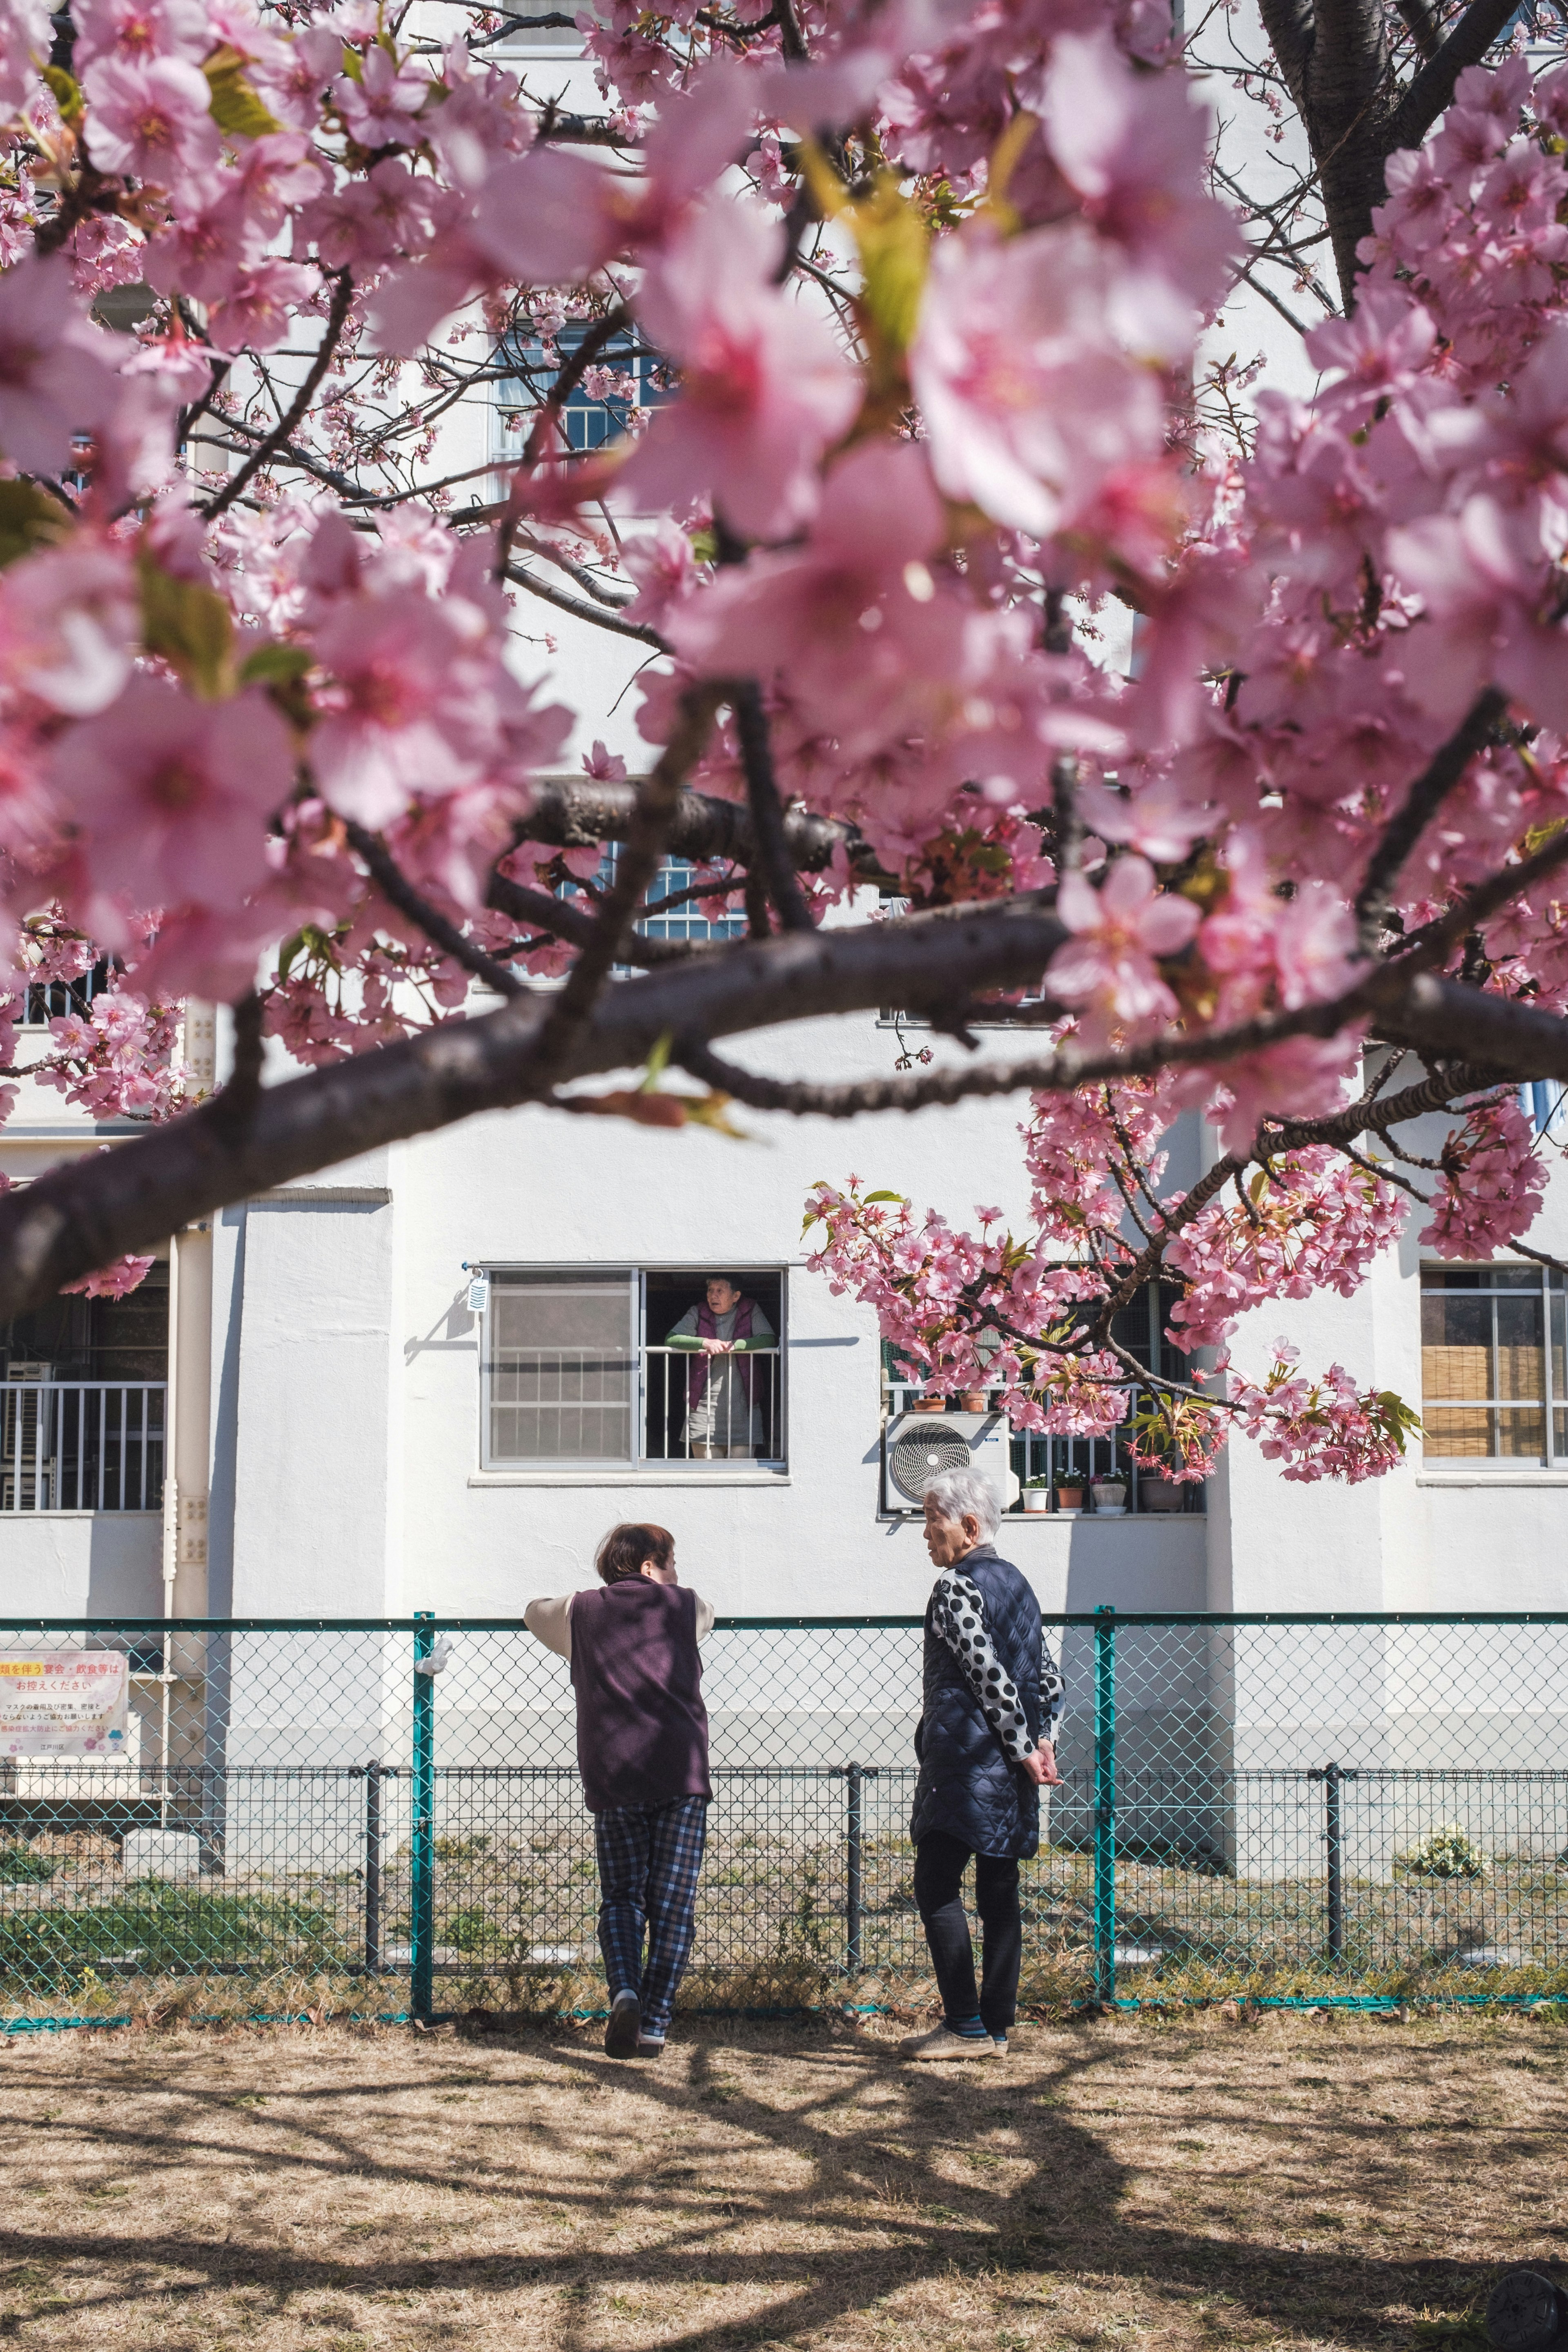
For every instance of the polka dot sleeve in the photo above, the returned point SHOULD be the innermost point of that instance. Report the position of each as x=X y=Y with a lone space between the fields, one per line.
x=958 y=1617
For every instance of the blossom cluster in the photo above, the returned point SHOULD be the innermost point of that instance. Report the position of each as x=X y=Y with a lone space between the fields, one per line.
x=923 y=300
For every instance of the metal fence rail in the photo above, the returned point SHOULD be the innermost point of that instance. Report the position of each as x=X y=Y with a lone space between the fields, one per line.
x=1297 y=1804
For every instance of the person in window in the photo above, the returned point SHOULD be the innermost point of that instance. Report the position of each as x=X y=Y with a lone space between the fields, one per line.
x=728 y=1403
x=987 y=1746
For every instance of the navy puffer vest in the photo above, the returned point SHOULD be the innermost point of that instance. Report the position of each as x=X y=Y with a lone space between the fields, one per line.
x=967 y=1786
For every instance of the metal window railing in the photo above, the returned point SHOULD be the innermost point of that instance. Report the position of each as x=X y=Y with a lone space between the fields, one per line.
x=1295 y=1808
x=82 y=1445
x=548 y=1405
x=701 y=1408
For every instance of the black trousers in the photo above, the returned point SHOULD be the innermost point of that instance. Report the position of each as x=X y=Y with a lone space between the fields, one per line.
x=939 y=1865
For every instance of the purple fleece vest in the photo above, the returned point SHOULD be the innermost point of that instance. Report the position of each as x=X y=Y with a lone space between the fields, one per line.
x=708 y=1329
x=642 y=1729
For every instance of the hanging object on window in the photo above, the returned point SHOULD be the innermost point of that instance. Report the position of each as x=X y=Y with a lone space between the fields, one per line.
x=479 y=1293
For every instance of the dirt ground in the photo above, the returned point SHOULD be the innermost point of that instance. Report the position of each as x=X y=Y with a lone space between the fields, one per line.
x=1199 y=2184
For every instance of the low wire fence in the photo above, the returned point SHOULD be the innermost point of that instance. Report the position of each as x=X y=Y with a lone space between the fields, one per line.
x=1294 y=1806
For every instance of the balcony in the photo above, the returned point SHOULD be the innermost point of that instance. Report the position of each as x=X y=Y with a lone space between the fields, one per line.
x=1068 y=1460
x=82 y=1445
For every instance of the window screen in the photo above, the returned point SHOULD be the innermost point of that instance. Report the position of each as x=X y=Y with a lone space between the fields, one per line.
x=561 y=1369
x=1492 y=1387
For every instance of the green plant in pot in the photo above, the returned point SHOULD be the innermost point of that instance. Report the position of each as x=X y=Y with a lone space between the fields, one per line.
x=1037 y=1494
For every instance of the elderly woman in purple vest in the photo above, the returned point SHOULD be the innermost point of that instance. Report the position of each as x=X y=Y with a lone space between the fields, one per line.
x=730 y=1403
x=642 y=1750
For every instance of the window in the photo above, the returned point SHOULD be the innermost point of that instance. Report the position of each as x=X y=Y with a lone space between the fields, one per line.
x=589 y=421
x=599 y=1367
x=1494 y=1387
x=684 y=920
x=52 y=1000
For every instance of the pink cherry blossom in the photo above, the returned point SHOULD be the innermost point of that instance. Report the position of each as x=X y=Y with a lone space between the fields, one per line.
x=1119 y=931
x=765 y=385
x=379 y=106
x=150 y=116
x=1029 y=403
x=173 y=796
x=56 y=371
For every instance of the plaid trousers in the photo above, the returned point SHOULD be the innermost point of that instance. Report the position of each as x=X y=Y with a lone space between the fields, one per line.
x=650 y=1857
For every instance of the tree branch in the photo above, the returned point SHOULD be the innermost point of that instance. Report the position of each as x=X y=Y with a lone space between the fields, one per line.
x=282 y=432
x=657 y=798
x=1433 y=88
x=397 y=889
x=540 y=910
x=773 y=857
x=1425 y=796
x=94 y=1209
x=575 y=812
x=581 y=610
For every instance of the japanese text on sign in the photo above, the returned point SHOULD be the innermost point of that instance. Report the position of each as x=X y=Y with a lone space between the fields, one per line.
x=69 y=1703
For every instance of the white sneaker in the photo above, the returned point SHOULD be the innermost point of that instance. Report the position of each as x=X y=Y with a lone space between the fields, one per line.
x=942 y=2042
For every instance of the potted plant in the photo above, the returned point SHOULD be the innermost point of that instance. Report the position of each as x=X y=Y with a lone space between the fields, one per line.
x=1037 y=1494
x=928 y=1404
x=1110 y=1496
x=975 y=1399
x=1069 y=1495
x=1158 y=1491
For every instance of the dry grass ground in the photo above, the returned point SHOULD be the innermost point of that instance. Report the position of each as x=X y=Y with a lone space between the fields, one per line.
x=1286 y=2183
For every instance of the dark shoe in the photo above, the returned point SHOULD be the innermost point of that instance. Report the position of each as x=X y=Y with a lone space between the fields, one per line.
x=649 y=2049
x=625 y=2023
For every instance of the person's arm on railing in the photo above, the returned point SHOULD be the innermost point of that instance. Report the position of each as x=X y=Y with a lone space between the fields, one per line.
x=549 y=1622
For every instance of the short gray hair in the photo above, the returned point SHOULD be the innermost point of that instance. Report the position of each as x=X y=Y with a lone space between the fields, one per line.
x=966 y=1494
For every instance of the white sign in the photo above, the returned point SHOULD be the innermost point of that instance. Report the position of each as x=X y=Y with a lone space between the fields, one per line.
x=67 y=1703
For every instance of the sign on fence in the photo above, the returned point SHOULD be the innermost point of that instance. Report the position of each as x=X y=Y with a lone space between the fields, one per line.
x=67 y=1703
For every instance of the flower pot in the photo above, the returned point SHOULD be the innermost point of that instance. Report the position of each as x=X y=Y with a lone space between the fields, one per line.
x=974 y=1399
x=1108 y=1500
x=1157 y=1494
x=1036 y=1499
x=928 y=1404
x=1069 y=1498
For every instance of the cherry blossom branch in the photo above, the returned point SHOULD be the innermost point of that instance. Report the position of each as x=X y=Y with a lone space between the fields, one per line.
x=656 y=799
x=576 y=812
x=581 y=611
x=331 y=334
x=395 y=887
x=767 y=813
x=540 y=910
x=1481 y=23
x=1425 y=796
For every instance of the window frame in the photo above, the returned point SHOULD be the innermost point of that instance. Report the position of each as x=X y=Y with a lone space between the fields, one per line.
x=1545 y=1286
x=634 y=1465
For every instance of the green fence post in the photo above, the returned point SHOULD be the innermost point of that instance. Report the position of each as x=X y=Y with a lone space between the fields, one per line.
x=423 y=1954
x=1105 y=1803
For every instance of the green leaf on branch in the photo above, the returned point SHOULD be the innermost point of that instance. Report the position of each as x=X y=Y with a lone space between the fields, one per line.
x=190 y=626
x=234 y=107
x=67 y=94
x=29 y=519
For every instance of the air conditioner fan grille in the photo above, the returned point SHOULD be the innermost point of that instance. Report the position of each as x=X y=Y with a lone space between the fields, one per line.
x=917 y=1455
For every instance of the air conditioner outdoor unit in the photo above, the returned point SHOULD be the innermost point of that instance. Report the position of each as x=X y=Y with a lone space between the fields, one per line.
x=918 y=1446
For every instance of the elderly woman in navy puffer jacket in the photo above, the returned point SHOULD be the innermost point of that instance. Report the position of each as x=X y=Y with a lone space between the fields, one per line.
x=987 y=1746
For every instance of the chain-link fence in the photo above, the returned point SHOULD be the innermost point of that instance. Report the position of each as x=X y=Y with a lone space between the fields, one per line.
x=1294 y=1805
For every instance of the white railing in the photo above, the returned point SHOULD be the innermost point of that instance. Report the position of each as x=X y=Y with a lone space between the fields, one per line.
x=735 y=1415
x=1084 y=1459
x=82 y=1445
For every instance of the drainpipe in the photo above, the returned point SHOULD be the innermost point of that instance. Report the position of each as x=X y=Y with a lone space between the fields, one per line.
x=188 y=1425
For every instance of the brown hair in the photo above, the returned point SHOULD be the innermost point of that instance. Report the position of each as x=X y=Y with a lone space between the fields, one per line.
x=625 y=1547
